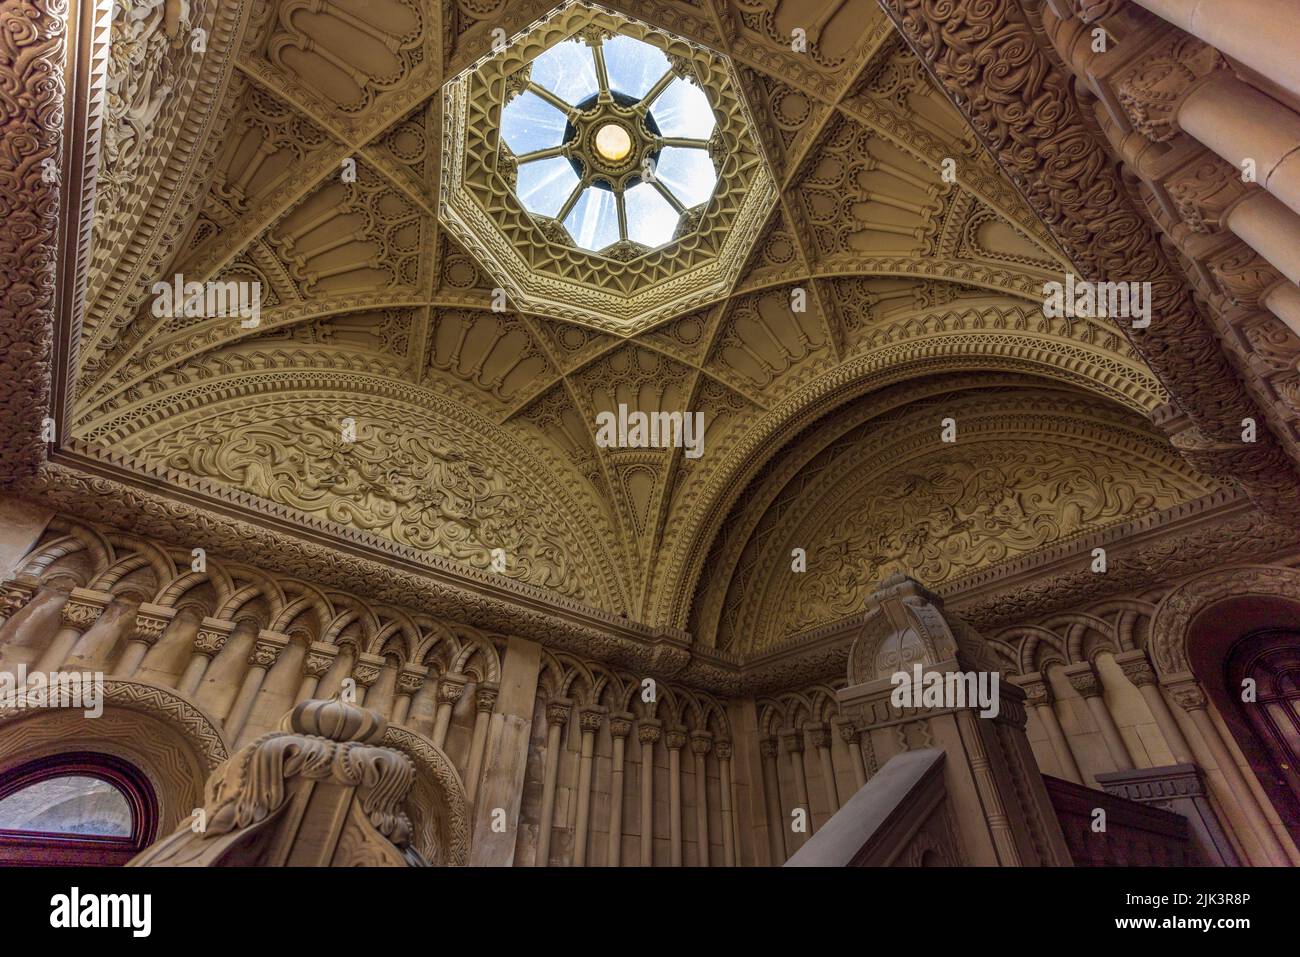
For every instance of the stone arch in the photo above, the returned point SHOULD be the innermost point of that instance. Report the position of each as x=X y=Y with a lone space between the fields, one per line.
x=173 y=742
x=1175 y=617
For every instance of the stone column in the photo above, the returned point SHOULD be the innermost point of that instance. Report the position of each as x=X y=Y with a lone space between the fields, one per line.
x=1231 y=118
x=725 y=785
x=675 y=741
x=819 y=735
x=450 y=688
x=849 y=734
x=1269 y=228
x=1038 y=695
x=701 y=745
x=150 y=623
x=80 y=612
x=557 y=716
x=1252 y=31
x=1138 y=670
x=410 y=679
x=1249 y=815
x=320 y=656
x=1283 y=300
x=589 y=721
x=485 y=699
x=1085 y=681
x=772 y=798
x=211 y=637
x=266 y=649
x=505 y=764
x=792 y=738
x=647 y=732
x=620 y=726
x=365 y=672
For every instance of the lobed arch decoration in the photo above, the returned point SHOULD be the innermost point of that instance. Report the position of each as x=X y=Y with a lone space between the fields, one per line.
x=134 y=572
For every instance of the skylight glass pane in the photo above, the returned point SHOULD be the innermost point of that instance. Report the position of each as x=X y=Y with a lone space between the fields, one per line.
x=689 y=173
x=683 y=110
x=529 y=123
x=651 y=219
x=568 y=70
x=593 y=223
x=545 y=184
x=633 y=66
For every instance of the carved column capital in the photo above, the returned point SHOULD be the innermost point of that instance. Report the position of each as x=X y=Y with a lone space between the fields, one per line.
x=411 y=678
x=701 y=742
x=450 y=688
x=485 y=697
x=150 y=622
x=620 y=724
x=366 y=669
x=590 y=717
x=792 y=739
x=1036 y=688
x=1189 y=696
x=1137 y=668
x=212 y=636
x=648 y=731
x=267 y=648
x=1152 y=92
x=819 y=735
x=318 y=660
x=675 y=740
x=848 y=731
x=1083 y=680
x=768 y=747
x=14 y=595
x=558 y=711
x=723 y=749
x=83 y=608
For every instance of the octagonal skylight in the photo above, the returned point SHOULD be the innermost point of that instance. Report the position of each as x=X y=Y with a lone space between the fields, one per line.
x=611 y=141
x=603 y=170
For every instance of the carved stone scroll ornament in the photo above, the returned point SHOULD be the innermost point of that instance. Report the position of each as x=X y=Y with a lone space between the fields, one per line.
x=323 y=792
x=991 y=60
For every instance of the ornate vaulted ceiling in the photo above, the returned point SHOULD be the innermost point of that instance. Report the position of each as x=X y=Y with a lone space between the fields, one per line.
x=918 y=266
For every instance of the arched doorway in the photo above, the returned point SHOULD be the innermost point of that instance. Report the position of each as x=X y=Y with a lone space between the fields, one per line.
x=1262 y=675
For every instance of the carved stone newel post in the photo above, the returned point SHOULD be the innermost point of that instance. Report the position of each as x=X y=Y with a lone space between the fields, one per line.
x=323 y=792
x=1002 y=814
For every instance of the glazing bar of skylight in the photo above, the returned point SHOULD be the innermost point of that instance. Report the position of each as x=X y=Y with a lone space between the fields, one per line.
x=561 y=150
x=544 y=184
x=567 y=70
x=573 y=198
x=689 y=173
x=633 y=65
x=651 y=220
x=529 y=123
x=676 y=203
x=602 y=68
x=655 y=90
x=550 y=98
